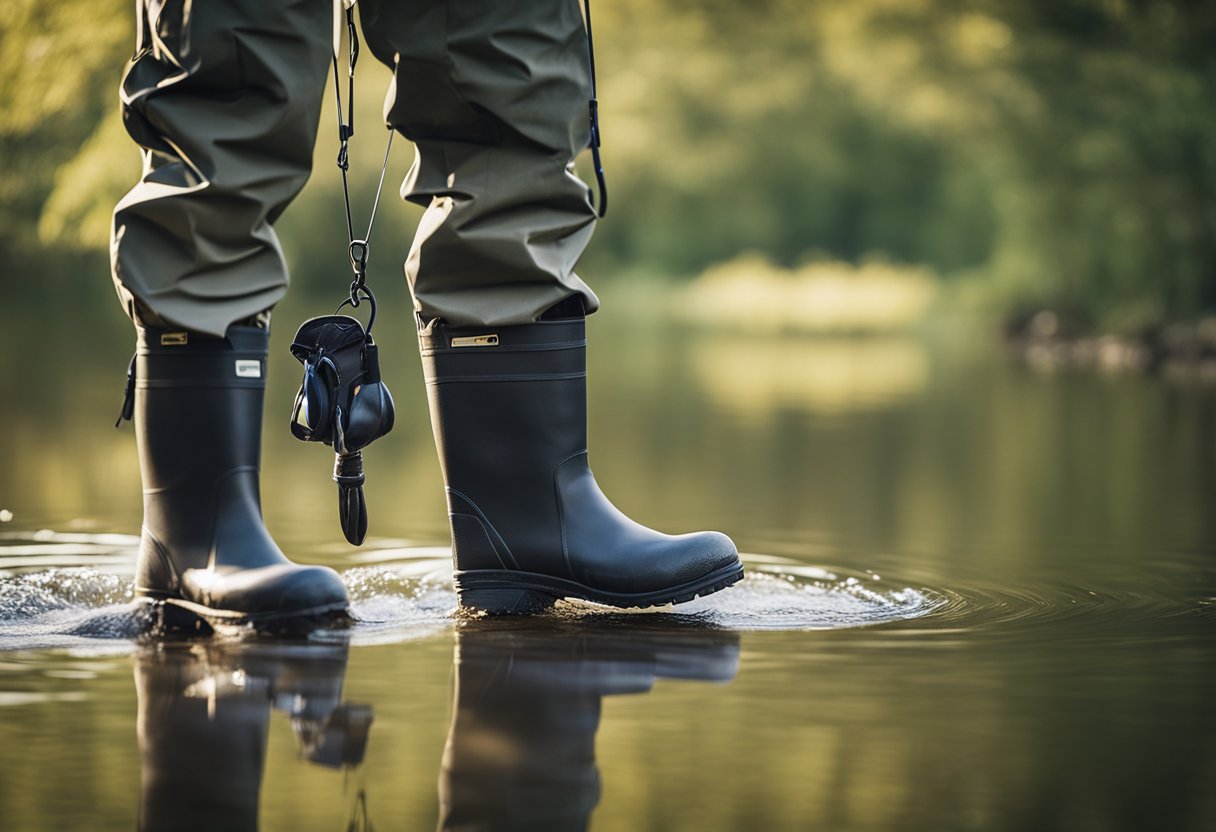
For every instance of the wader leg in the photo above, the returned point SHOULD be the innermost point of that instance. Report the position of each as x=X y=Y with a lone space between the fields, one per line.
x=224 y=98
x=494 y=96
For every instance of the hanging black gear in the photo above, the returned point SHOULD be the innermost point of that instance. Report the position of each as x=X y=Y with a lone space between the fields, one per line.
x=342 y=401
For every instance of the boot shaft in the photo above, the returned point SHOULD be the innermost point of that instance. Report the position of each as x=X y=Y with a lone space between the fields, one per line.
x=198 y=403
x=198 y=425
x=508 y=406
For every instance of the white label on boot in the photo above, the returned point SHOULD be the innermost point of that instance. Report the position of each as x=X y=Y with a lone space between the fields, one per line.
x=246 y=368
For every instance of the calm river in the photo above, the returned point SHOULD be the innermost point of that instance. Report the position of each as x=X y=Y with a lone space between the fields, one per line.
x=979 y=598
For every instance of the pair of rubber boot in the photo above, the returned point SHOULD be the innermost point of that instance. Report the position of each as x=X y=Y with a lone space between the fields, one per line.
x=508 y=407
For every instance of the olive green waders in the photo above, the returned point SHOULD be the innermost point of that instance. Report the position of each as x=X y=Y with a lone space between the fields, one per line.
x=225 y=97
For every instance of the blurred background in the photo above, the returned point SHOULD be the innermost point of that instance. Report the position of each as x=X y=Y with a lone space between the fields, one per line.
x=822 y=214
x=882 y=217
x=818 y=209
x=918 y=289
x=1000 y=159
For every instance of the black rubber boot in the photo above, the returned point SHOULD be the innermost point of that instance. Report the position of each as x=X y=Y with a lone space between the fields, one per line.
x=198 y=423
x=529 y=523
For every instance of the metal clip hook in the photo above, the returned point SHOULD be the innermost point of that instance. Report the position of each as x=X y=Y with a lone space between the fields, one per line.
x=358 y=251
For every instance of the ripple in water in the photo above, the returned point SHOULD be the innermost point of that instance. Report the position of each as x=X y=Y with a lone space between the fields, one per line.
x=409 y=593
x=406 y=593
x=773 y=598
x=1145 y=608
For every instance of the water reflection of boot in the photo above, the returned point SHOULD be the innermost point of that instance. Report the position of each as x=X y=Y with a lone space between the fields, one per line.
x=204 y=712
x=521 y=751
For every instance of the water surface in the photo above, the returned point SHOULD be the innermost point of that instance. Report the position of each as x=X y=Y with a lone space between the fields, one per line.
x=977 y=598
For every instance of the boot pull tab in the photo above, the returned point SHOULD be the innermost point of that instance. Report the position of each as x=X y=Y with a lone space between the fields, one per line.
x=128 y=397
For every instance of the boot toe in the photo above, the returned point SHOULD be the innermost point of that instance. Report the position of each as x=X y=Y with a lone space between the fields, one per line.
x=697 y=555
x=279 y=589
x=650 y=562
x=313 y=587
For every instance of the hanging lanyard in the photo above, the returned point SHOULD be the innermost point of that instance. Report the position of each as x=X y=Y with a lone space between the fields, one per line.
x=359 y=247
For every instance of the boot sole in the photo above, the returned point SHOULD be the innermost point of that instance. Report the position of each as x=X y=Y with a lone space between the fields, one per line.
x=504 y=592
x=177 y=616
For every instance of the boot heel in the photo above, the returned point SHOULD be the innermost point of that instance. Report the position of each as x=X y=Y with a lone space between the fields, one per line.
x=170 y=620
x=506 y=601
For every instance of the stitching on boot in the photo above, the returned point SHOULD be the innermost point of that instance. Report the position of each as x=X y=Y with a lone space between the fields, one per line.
x=496 y=539
x=485 y=534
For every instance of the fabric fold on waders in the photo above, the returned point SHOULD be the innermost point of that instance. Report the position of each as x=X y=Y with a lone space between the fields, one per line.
x=224 y=98
x=494 y=96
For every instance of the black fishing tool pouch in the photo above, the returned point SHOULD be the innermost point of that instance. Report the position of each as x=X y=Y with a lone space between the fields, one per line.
x=343 y=403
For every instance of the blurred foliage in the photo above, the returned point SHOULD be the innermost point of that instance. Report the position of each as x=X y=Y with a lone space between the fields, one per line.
x=821 y=296
x=1056 y=155
x=59 y=64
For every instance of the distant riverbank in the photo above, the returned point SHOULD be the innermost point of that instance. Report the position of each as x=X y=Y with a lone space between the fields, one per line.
x=1182 y=349
x=876 y=298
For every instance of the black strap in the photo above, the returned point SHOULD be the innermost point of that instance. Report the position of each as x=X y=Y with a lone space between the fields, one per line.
x=358 y=249
x=128 y=395
x=594 y=108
